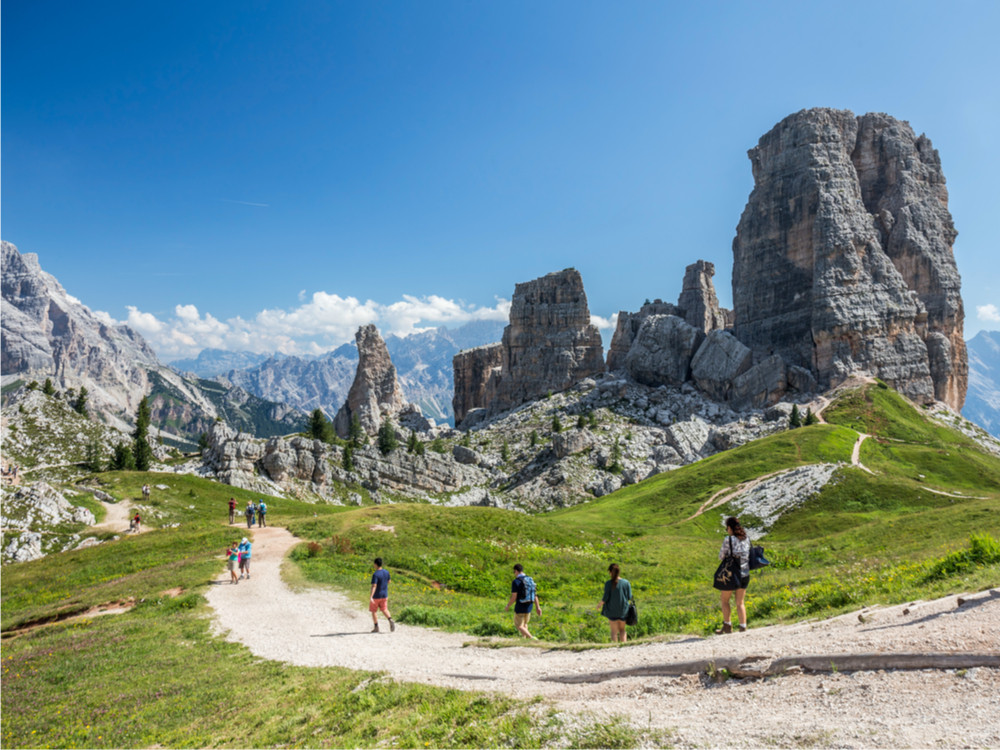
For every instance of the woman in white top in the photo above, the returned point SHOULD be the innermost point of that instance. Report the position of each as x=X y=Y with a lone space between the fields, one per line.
x=736 y=544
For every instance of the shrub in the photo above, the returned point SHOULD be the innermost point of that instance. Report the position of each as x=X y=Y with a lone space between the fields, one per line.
x=983 y=549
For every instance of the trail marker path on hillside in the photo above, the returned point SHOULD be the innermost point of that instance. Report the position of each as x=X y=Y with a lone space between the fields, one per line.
x=319 y=627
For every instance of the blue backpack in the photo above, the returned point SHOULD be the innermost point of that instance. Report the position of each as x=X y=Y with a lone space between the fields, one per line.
x=529 y=590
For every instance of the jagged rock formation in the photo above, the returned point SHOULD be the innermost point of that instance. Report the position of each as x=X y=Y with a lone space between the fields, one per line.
x=843 y=259
x=697 y=307
x=549 y=346
x=476 y=372
x=698 y=300
x=982 y=405
x=28 y=515
x=375 y=394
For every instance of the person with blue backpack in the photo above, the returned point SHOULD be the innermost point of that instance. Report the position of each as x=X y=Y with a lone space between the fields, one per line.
x=524 y=597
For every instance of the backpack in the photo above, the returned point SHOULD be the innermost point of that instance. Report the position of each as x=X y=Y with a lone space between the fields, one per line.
x=529 y=590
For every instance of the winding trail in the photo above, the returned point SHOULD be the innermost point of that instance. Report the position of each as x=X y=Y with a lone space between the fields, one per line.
x=856 y=453
x=319 y=627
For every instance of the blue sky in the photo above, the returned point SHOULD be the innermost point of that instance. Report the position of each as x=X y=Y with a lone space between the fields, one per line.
x=268 y=175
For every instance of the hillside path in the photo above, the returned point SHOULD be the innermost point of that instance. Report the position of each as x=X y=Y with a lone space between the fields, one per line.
x=320 y=627
x=117 y=518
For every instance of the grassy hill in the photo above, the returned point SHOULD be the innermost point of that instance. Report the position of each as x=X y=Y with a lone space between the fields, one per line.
x=918 y=527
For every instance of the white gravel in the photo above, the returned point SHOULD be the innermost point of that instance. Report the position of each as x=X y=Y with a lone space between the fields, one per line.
x=921 y=708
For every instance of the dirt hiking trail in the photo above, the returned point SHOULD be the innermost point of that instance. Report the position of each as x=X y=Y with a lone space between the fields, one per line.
x=884 y=708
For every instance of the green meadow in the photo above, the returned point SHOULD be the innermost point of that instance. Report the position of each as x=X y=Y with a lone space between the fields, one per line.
x=923 y=525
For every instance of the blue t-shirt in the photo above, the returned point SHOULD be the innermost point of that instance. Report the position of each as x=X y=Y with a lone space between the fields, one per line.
x=517 y=587
x=245 y=549
x=262 y=509
x=380 y=578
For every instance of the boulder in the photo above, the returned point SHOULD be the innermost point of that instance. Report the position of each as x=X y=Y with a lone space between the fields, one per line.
x=662 y=350
x=718 y=361
x=762 y=385
x=572 y=441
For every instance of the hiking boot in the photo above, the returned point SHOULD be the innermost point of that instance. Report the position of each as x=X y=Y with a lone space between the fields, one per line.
x=743 y=628
x=392 y=625
x=375 y=629
x=726 y=628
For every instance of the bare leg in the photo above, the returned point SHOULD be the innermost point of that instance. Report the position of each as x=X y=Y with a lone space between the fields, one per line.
x=724 y=598
x=741 y=607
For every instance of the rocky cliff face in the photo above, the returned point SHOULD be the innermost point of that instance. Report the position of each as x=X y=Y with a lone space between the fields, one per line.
x=48 y=333
x=550 y=343
x=375 y=394
x=843 y=259
x=476 y=372
x=982 y=405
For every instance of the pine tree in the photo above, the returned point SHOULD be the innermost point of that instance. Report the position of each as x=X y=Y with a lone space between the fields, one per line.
x=33 y=385
x=356 y=434
x=48 y=389
x=615 y=467
x=94 y=462
x=320 y=428
x=810 y=418
x=387 y=441
x=418 y=447
x=505 y=451
x=534 y=438
x=556 y=424
x=80 y=405
x=411 y=442
x=581 y=422
x=122 y=460
x=466 y=440
x=349 y=457
x=141 y=450
x=794 y=420
x=202 y=442
x=592 y=420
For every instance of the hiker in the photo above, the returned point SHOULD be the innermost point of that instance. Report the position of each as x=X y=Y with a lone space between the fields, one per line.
x=614 y=603
x=244 y=550
x=145 y=492
x=232 y=556
x=735 y=545
x=379 y=598
x=262 y=514
x=136 y=523
x=524 y=596
x=249 y=513
x=232 y=510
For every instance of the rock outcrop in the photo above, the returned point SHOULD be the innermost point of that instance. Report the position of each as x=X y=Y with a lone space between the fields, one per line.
x=476 y=373
x=628 y=326
x=698 y=300
x=843 y=260
x=662 y=350
x=375 y=394
x=549 y=345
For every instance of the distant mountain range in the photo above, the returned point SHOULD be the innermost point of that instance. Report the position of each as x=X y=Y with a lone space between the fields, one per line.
x=982 y=401
x=423 y=364
x=49 y=334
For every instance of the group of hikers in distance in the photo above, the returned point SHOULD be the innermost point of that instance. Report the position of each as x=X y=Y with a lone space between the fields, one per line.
x=253 y=512
x=617 y=603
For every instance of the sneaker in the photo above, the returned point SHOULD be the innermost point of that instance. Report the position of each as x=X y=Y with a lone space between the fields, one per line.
x=375 y=629
x=392 y=626
x=726 y=628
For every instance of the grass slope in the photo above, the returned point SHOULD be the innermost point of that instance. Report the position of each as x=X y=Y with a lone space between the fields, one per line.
x=156 y=675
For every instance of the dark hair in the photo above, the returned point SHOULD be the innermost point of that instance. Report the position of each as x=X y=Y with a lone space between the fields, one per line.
x=733 y=524
x=615 y=572
x=378 y=561
x=518 y=567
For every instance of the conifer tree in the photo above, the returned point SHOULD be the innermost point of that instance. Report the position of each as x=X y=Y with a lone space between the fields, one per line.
x=80 y=405
x=349 y=457
x=93 y=461
x=556 y=424
x=581 y=422
x=505 y=451
x=387 y=441
x=356 y=434
x=615 y=467
x=142 y=453
x=592 y=420
x=122 y=460
x=533 y=440
x=48 y=389
x=202 y=442
x=320 y=428
x=794 y=420
x=411 y=442
x=810 y=418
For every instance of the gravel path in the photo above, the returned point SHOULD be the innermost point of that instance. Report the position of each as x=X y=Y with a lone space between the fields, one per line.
x=920 y=708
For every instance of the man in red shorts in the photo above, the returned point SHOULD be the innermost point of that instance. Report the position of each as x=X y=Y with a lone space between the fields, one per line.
x=379 y=598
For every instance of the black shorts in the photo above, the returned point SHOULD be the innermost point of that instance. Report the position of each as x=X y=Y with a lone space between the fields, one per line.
x=744 y=581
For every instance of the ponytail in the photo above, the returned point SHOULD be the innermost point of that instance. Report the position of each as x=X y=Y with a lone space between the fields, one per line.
x=733 y=524
x=615 y=572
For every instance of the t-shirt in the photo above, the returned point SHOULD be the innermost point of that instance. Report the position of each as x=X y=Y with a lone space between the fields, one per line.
x=233 y=553
x=517 y=587
x=733 y=545
x=380 y=579
x=232 y=505
x=245 y=549
x=616 y=599
x=262 y=509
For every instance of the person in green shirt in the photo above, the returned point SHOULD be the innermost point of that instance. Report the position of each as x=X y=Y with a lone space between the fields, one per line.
x=614 y=603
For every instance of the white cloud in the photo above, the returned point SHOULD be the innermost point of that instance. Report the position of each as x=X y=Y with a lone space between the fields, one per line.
x=322 y=322
x=604 y=323
x=988 y=313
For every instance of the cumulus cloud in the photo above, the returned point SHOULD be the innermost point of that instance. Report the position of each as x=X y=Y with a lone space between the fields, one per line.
x=320 y=323
x=988 y=313
x=604 y=324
